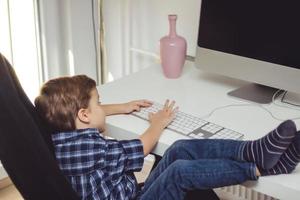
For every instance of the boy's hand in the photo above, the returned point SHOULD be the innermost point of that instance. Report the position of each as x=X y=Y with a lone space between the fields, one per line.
x=135 y=105
x=164 y=117
x=158 y=121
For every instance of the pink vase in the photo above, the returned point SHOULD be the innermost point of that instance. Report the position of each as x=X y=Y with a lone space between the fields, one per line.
x=172 y=51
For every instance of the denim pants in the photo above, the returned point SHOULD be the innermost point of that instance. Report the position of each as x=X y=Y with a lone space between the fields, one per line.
x=197 y=164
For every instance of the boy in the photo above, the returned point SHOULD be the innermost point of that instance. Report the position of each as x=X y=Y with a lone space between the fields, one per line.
x=99 y=168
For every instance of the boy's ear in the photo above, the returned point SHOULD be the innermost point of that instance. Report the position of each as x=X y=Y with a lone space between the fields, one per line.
x=83 y=115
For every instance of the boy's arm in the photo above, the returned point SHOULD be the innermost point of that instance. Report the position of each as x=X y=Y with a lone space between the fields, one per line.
x=150 y=137
x=158 y=121
x=125 y=108
x=113 y=109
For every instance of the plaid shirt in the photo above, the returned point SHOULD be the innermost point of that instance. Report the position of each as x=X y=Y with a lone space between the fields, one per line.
x=96 y=167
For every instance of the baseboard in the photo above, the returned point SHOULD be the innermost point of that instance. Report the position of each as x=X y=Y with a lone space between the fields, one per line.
x=239 y=192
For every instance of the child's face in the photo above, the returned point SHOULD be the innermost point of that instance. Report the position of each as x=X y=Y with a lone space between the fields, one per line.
x=96 y=113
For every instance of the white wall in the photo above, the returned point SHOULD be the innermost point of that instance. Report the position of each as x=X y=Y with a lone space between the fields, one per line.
x=140 y=24
x=150 y=22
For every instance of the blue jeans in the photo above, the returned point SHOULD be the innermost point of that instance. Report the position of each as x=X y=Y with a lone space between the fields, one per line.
x=197 y=164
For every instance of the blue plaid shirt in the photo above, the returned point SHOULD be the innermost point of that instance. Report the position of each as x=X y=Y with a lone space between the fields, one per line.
x=96 y=167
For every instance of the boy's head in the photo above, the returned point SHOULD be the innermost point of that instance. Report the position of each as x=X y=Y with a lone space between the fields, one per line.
x=71 y=103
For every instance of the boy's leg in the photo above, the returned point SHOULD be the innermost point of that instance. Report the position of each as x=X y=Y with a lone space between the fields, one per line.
x=265 y=152
x=186 y=175
x=224 y=149
x=288 y=161
x=194 y=150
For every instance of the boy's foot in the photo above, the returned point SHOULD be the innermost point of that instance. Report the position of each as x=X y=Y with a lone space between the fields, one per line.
x=288 y=161
x=266 y=151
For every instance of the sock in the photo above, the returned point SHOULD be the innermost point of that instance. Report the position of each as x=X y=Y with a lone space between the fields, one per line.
x=288 y=161
x=266 y=151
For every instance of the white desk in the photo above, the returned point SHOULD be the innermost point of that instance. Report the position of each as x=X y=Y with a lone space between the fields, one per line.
x=199 y=93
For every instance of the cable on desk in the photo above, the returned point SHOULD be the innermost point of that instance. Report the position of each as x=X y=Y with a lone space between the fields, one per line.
x=256 y=105
x=286 y=102
x=241 y=105
x=284 y=92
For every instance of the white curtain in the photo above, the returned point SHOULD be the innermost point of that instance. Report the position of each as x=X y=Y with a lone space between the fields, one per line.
x=102 y=69
x=125 y=54
x=19 y=42
x=69 y=40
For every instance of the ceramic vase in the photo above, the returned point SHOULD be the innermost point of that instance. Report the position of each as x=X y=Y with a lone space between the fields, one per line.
x=172 y=51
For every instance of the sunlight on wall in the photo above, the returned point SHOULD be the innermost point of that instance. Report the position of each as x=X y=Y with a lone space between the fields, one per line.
x=5 y=48
x=110 y=77
x=24 y=45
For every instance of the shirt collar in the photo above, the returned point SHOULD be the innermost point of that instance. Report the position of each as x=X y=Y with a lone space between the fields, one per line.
x=62 y=137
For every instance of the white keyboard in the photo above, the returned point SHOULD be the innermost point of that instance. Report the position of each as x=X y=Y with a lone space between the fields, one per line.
x=191 y=126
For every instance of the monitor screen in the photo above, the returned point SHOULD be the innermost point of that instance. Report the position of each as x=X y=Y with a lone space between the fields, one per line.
x=267 y=30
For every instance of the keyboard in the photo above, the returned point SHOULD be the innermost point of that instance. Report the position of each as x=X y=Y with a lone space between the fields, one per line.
x=191 y=126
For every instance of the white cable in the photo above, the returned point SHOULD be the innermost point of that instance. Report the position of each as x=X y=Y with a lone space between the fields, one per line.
x=148 y=53
x=286 y=102
x=241 y=105
x=283 y=105
x=256 y=105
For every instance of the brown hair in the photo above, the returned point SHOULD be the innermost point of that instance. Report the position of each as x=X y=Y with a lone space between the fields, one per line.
x=60 y=100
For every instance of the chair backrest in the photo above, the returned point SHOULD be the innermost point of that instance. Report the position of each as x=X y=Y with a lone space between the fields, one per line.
x=26 y=151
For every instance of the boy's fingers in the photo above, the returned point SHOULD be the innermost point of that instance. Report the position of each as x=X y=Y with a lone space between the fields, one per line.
x=144 y=103
x=166 y=104
x=172 y=116
x=171 y=105
x=173 y=113
x=150 y=115
x=176 y=109
x=140 y=103
x=137 y=108
x=147 y=102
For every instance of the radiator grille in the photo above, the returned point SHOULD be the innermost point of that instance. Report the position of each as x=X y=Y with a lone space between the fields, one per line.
x=239 y=192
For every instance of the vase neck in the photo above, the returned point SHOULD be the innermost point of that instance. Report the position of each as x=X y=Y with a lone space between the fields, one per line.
x=172 y=23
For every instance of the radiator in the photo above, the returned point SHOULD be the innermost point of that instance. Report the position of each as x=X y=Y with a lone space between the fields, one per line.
x=239 y=192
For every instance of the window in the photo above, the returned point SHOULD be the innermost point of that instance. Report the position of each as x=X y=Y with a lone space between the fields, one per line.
x=19 y=42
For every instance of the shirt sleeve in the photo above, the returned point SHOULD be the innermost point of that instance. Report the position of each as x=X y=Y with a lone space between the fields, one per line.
x=134 y=153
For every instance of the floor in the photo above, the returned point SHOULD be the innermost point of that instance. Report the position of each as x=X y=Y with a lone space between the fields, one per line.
x=9 y=192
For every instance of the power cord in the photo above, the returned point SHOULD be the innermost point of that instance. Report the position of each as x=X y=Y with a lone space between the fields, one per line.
x=242 y=105
x=276 y=94
x=284 y=92
x=286 y=102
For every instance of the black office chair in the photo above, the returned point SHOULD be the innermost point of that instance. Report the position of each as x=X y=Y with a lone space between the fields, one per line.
x=26 y=150
x=25 y=145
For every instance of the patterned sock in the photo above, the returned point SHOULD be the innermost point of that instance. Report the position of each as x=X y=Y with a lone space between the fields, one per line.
x=266 y=151
x=288 y=161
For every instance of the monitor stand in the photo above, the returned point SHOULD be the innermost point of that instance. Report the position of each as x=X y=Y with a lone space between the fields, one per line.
x=255 y=92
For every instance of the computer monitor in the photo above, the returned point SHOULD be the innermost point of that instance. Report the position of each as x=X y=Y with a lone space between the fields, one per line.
x=253 y=40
